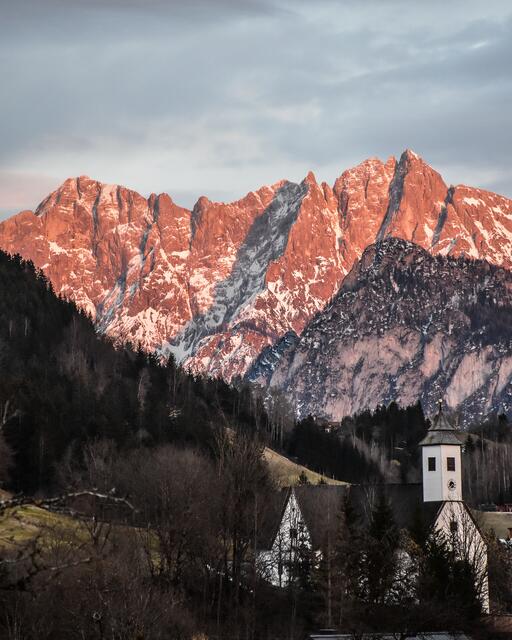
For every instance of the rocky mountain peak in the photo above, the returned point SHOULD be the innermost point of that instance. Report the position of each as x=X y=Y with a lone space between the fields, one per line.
x=310 y=179
x=218 y=284
x=408 y=155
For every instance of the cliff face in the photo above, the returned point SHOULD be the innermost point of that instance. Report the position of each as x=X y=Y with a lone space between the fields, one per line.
x=405 y=326
x=218 y=284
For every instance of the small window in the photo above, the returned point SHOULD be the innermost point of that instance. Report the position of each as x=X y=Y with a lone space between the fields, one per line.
x=450 y=464
x=431 y=464
x=453 y=526
x=293 y=533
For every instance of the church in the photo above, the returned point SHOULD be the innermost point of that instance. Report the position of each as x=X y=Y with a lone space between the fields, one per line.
x=305 y=515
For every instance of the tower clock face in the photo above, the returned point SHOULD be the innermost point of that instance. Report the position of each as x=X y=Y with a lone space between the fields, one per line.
x=452 y=485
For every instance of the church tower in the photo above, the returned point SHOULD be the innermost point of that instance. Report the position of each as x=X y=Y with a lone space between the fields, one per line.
x=441 y=461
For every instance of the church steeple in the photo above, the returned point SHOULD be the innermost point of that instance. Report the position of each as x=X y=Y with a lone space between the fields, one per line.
x=441 y=461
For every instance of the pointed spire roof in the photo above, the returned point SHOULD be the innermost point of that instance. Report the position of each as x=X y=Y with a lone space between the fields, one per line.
x=441 y=431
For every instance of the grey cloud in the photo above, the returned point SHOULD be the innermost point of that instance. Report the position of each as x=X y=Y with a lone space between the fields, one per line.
x=213 y=96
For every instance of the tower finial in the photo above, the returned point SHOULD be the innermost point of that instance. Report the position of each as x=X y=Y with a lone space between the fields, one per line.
x=440 y=403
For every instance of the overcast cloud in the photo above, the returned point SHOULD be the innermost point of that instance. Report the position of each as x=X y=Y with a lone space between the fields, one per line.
x=218 y=97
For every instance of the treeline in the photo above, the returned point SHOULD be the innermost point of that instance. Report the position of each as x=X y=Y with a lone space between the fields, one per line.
x=370 y=447
x=488 y=463
x=179 y=558
x=63 y=385
x=490 y=321
x=382 y=446
x=325 y=452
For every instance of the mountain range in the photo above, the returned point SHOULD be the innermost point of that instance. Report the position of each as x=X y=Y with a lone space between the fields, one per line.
x=222 y=285
x=405 y=326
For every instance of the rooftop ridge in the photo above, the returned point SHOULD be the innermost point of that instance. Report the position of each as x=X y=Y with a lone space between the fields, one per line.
x=441 y=431
x=441 y=422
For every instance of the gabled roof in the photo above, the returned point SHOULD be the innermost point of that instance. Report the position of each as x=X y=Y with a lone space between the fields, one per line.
x=321 y=507
x=405 y=500
x=441 y=431
x=272 y=517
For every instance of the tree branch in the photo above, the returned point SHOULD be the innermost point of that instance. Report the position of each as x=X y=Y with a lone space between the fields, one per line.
x=58 y=501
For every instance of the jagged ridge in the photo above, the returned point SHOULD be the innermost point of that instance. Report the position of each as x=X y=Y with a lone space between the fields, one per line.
x=218 y=284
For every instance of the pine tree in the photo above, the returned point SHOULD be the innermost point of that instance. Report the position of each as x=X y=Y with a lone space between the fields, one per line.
x=381 y=546
x=447 y=583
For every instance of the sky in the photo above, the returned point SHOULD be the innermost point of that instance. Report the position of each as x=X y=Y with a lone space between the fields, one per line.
x=218 y=97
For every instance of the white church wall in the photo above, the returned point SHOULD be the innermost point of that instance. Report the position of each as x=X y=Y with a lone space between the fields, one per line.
x=277 y=564
x=467 y=542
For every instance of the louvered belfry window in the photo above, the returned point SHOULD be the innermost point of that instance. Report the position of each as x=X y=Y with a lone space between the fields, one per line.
x=431 y=464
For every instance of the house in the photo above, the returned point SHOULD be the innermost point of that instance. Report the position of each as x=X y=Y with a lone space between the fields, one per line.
x=306 y=516
x=301 y=519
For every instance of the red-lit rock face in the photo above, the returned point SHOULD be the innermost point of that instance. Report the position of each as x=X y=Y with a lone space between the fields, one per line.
x=217 y=284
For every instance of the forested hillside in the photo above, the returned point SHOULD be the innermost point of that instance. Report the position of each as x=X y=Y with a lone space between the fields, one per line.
x=173 y=508
x=371 y=447
x=63 y=384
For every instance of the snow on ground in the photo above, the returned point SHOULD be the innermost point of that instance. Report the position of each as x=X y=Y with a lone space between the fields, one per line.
x=55 y=248
x=473 y=202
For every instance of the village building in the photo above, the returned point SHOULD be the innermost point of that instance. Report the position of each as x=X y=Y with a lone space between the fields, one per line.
x=306 y=517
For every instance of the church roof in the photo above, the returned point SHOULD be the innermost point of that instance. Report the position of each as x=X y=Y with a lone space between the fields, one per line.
x=271 y=517
x=321 y=507
x=404 y=499
x=441 y=431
